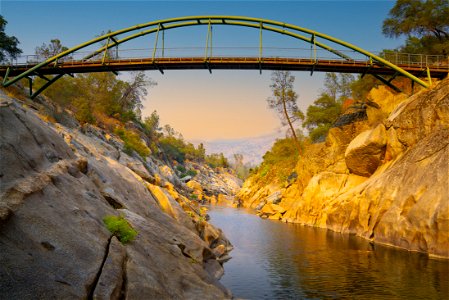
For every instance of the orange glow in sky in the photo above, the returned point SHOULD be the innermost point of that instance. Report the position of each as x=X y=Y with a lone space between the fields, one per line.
x=222 y=105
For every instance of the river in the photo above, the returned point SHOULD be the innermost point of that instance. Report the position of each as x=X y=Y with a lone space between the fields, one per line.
x=274 y=260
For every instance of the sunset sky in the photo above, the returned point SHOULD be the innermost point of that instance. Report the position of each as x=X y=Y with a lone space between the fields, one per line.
x=224 y=104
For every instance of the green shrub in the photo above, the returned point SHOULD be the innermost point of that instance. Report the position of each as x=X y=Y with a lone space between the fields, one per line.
x=132 y=142
x=181 y=169
x=119 y=227
x=83 y=110
x=173 y=148
x=216 y=160
x=190 y=172
x=278 y=163
x=264 y=170
x=184 y=172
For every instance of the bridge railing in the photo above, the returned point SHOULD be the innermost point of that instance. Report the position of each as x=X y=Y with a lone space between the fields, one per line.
x=124 y=55
x=419 y=60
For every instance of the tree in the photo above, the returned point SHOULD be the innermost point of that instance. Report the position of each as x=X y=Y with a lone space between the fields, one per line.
x=325 y=110
x=8 y=44
x=425 y=23
x=284 y=101
x=216 y=160
x=240 y=168
x=134 y=92
x=169 y=131
x=151 y=126
x=201 y=152
x=321 y=115
x=53 y=48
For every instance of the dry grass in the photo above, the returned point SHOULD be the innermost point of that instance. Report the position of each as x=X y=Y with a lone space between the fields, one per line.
x=15 y=92
x=105 y=122
x=46 y=118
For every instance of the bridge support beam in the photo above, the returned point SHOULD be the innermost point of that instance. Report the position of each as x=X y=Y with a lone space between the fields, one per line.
x=43 y=87
x=156 y=39
x=208 y=48
x=5 y=79
x=388 y=83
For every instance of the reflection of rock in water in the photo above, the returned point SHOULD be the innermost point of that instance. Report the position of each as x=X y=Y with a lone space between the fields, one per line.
x=274 y=260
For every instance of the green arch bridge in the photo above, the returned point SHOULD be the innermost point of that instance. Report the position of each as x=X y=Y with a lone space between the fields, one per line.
x=105 y=59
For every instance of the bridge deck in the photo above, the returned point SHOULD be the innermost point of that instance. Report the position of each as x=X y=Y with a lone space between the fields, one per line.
x=243 y=63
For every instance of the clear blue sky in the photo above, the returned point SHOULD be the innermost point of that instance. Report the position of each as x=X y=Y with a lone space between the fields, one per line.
x=226 y=104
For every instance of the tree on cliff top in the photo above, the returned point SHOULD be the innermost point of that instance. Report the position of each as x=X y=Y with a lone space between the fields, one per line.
x=322 y=114
x=425 y=23
x=284 y=101
x=53 y=48
x=8 y=44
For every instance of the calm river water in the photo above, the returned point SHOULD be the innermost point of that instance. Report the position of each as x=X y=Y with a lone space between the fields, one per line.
x=273 y=260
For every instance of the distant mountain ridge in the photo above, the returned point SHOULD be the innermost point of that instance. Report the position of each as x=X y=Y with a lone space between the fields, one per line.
x=252 y=148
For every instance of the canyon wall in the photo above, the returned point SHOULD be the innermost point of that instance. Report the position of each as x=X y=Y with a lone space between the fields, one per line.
x=384 y=178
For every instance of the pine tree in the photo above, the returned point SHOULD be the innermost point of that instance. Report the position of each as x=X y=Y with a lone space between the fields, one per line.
x=284 y=101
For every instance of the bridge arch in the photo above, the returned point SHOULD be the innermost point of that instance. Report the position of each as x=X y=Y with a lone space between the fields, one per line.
x=113 y=39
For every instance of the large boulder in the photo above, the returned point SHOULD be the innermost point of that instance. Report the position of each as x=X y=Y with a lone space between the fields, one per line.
x=366 y=152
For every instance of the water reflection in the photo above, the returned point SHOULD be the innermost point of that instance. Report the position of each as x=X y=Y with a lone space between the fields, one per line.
x=273 y=260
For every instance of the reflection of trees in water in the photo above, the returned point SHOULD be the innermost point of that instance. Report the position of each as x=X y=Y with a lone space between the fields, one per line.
x=315 y=263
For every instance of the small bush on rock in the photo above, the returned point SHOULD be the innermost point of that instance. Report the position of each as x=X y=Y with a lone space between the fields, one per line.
x=119 y=227
x=132 y=142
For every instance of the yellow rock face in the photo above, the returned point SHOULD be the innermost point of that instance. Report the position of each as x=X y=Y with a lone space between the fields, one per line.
x=194 y=185
x=387 y=101
x=276 y=216
x=225 y=200
x=162 y=199
x=272 y=210
x=394 y=146
x=402 y=199
x=197 y=188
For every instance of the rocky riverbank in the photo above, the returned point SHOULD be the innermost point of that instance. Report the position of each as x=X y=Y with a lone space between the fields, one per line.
x=383 y=177
x=217 y=187
x=59 y=182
